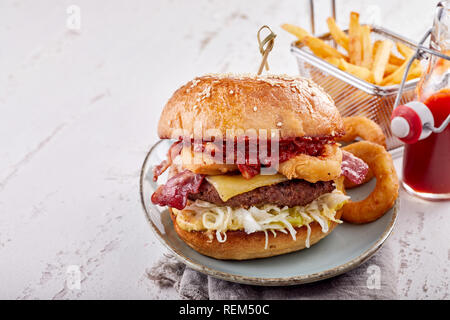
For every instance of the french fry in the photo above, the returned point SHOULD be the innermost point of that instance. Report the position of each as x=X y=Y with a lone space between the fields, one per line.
x=404 y=50
x=375 y=46
x=393 y=59
x=299 y=32
x=389 y=69
x=321 y=49
x=354 y=45
x=373 y=62
x=338 y=35
x=366 y=47
x=397 y=75
x=334 y=61
x=381 y=60
x=358 y=71
x=415 y=72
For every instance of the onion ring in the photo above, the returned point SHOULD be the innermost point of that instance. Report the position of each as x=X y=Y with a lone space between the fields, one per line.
x=364 y=128
x=367 y=130
x=325 y=167
x=385 y=193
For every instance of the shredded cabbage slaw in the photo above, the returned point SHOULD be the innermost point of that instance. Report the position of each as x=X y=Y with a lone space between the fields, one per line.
x=270 y=217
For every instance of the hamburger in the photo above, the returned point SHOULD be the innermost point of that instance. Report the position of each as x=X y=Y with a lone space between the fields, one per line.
x=254 y=170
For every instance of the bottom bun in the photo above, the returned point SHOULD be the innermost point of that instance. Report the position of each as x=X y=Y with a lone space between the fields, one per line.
x=243 y=246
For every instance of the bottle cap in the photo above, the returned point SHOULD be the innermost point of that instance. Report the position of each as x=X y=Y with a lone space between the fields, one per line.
x=408 y=121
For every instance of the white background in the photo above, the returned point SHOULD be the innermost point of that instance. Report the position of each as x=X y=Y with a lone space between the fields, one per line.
x=78 y=112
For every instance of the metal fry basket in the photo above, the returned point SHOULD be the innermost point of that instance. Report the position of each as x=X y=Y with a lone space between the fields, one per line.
x=353 y=96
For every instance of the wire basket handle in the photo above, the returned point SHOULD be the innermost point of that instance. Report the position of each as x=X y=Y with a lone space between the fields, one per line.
x=313 y=18
x=419 y=53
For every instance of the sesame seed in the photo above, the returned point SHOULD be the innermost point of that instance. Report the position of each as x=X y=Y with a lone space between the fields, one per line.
x=194 y=82
x=231 y=91
x=255 y=109
x=279 y=124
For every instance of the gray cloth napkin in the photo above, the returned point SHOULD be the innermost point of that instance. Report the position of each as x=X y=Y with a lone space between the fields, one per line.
x=374 y=279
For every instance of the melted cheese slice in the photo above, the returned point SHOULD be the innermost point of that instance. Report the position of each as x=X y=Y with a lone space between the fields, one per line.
x=230 y=186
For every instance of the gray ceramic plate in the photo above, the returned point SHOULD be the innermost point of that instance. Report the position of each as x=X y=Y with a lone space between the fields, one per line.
x=344 y=249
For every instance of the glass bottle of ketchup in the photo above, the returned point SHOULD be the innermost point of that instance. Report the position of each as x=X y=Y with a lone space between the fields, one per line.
x=423 y=124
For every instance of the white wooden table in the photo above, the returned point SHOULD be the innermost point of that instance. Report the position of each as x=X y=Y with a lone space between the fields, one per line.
x=78 y=112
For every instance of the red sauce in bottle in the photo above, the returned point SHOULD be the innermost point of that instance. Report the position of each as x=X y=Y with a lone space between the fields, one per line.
x=426 y=163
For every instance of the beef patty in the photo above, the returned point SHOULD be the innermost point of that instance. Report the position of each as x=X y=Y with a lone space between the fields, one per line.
x=289 y=193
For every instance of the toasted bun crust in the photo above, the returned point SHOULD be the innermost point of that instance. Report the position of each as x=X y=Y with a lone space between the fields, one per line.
x=242 y=246
x=295 y=106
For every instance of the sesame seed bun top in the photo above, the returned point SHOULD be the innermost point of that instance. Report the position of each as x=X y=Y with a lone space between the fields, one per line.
x=294 y=106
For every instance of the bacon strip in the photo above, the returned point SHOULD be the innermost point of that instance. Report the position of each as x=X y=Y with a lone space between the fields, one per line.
x=353 y=168
x=175 y=192
x=287 y=149
x=174 y=150
x=248 y=171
